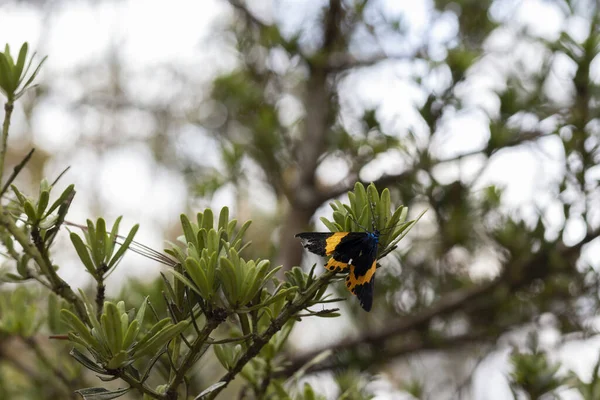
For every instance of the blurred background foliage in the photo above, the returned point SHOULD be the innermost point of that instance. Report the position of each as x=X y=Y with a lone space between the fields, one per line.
x=281 y=109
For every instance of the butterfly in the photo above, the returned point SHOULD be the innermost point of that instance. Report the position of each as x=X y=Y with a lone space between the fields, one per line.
x=352 y=251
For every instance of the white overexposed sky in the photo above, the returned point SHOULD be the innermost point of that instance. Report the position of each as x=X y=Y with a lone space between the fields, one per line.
x=149 y=34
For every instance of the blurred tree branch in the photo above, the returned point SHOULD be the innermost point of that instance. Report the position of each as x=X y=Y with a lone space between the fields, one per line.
x=474 y=299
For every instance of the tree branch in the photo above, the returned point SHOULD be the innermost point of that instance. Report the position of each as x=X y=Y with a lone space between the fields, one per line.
x=385 y=180
x=288 y=312
x=59 y=286
x=191 y=357
x=339 y=62
x=372 y=354
x=447 y=304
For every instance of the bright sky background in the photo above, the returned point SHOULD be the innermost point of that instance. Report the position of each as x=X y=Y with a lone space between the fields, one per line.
x=150 y=33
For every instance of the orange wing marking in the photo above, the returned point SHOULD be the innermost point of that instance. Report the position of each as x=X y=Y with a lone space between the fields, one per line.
x=333 y=241
x=334 y=264
x=352 y=280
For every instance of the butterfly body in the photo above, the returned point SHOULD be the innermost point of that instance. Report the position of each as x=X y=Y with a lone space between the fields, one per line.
x=352 y=251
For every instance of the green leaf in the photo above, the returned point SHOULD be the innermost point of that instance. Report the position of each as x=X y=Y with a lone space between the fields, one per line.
x=229 y=281
x=30 y=211
x=22 y=266
x=98 y=393
x=111 y=322
x=397 y=217
x=86 y=362
x=141 y=311
x=124 y=318
x=8 y=56
x=208 y=220
x=223 y=218
x=65 y=194
x=22 y=199
x=124 y=246
x=170 y=291
x=12 y=278
x=186 y=282
x=20 y=63
x=24 y=74
x=210 y=389
x=131 y=334
x=212 y=240
x=188 y=230
x=112 y=239
x=99 y=245
x=332 y=226
x=231 y=226
x=160 y=339
x=90 y=234
x=197 y=273
x=176 y=252
x=6 y=74
x=222 y=355
x=385 y=204
x=309 y=393
x=361 y=196
x=73 y=338
x=280 y=390
x=79 y=327
x=242 y=231
x=154 y=330
x=97 y=330
x=280 y=295
x=400 y=233
x=56 y=222
x=83 y=253
x=119 y=360
x=37 y=70
x=42 y=203
x=54 y=319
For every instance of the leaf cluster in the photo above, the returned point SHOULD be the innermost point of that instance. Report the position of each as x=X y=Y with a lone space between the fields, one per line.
x=13 y=74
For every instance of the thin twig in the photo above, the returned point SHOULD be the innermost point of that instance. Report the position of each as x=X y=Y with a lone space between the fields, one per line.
x=100 y=289
x=60 y=175
x=8 y=109
x=134 y=383
x=190 y=358
x=232 y=340
x=15 y=172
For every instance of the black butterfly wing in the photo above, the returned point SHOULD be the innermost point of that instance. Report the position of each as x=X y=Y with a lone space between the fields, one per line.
x=364 y=293
x=320 y=243
x=357 y=250
x=341 y=246
x=362 y=271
